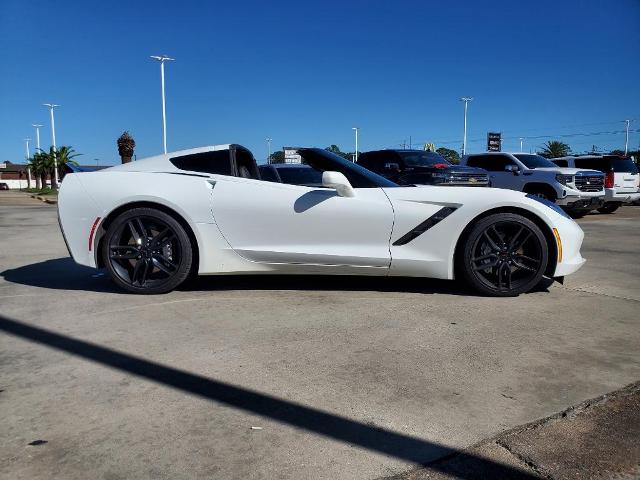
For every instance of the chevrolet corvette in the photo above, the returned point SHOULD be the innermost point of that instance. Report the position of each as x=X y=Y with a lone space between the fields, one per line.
x=206 y=211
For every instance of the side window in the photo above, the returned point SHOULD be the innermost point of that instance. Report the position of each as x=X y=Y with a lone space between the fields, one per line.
x=217 y=162
x=493 y=163
x=561 y=163
x=368 y=160
x=268 y=174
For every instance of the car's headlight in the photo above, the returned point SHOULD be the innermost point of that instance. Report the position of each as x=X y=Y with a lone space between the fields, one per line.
x=564 y=179
x=549 y=204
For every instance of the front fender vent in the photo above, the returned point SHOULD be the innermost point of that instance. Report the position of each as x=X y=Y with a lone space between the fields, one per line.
x=424 y=226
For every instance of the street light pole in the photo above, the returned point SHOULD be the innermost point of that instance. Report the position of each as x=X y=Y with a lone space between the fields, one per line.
x=26 y=141
x=37 y=127
x=269 y=150
x=355 y=156
x=521 y=141
x=53 y=140
x=466 y=101
x=162 y=59
x=626 y=141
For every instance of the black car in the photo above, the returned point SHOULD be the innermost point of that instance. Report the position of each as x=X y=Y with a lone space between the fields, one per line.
x=291 y=173
x=419 y=167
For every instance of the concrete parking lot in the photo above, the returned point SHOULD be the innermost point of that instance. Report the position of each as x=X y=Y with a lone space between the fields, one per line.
x=305 y=377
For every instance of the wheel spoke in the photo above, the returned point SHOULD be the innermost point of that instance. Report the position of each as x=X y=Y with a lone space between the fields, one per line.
x=161 y=265
x=128 y=252
x=145 y=271
x=137 y=236
x=485 y=266
x=515 y=245
x=137 y=270
x=156 y=240
x=484 y=257
x=492 y=244
x=522 y=266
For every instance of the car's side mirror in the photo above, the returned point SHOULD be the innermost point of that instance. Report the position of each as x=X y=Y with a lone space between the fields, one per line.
x=512 y=168
x=338 y=181
x=394 y=167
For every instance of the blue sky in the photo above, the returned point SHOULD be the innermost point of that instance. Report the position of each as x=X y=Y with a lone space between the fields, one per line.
x=305 y=72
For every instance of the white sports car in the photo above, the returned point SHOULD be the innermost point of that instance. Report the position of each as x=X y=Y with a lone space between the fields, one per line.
x=205 y=211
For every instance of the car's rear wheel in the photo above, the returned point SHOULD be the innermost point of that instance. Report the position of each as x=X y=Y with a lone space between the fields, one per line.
x=147 y=251
x=504 y=255
x=609 y=207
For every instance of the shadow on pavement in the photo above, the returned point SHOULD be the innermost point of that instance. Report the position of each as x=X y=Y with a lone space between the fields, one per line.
x=387 y=442
x=65 y=274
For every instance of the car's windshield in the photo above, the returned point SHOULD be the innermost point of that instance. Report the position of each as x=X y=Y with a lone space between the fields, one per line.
x=534 y=161
x=422 y=159
x=302 y=175
x=358 y=176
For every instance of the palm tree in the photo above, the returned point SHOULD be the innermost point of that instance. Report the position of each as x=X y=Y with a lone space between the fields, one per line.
x=126 y=144
x=555 y=149
x=65 y=155
x=38 y=166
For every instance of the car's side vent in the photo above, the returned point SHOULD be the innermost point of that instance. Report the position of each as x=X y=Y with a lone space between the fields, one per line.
x=426 y=225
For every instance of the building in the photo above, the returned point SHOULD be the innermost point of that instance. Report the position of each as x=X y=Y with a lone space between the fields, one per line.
x=15 y=174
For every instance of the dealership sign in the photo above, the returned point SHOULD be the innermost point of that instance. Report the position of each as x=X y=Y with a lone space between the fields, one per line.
x=493 y=141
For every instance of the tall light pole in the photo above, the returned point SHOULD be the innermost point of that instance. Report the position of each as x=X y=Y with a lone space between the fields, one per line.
x=37 y=127
x=626 y=141
x=53 y=140
x=521 y=142
x=466 y=101
x=269 y=150
x=26 y=141
x=162 y=59
x=355 y=156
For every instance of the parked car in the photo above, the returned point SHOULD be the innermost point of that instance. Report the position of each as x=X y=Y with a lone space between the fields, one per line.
x=4 y=186
x=206 y=211
x=419 y=167
x=291 y=173
x=577 y=191
x=621 y=182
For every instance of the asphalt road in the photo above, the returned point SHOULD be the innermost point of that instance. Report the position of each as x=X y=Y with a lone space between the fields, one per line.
x=343 y=377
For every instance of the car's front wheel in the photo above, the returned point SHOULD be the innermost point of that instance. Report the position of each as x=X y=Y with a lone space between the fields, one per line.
x=147 y=251
x=504 y=255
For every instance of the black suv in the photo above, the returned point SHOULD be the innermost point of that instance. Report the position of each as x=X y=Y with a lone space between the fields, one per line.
x=419 y=167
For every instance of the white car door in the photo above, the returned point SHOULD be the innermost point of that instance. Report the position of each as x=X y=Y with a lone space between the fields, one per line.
x=291 y=224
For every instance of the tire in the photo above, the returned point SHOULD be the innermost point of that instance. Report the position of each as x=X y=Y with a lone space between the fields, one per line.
x=147 y=251
x=504 y=255
x=577 y=213
x=609 y=208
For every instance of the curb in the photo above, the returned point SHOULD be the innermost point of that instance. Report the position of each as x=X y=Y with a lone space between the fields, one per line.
x=44 y=199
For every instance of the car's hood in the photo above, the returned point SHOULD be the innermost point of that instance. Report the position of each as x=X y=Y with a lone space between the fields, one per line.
x=567 y=171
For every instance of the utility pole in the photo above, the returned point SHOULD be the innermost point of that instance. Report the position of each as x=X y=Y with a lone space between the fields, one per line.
x=26 y=141
x=269 y=150
x=355 y=156
x=521 y=142
x=162 y=59
x=53 y=140
x=466 y=101
x=626 y=141
x=37 y=127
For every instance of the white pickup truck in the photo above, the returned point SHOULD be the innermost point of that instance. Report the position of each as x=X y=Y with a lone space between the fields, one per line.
x=576 y=190
x=621 y=181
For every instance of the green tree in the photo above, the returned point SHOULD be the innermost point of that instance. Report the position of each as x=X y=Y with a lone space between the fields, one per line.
x=277 y=157
x=335 y=149
x=449 y=154
x=555 y=149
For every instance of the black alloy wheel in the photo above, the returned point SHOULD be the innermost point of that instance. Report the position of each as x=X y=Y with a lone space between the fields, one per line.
x=147 y=251
x=504 y=255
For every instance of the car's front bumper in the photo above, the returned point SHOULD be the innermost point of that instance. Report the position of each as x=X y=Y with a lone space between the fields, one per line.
x=569 y=240
x=581 y=202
